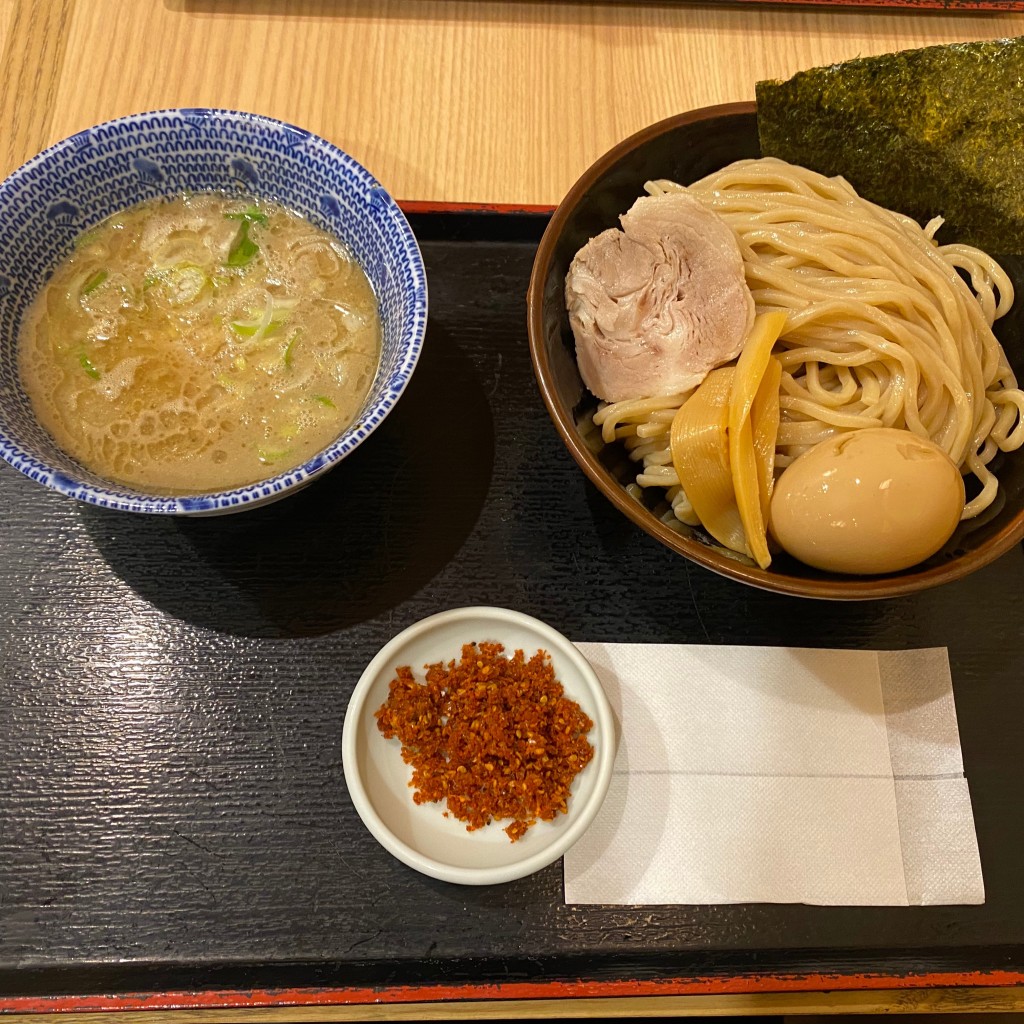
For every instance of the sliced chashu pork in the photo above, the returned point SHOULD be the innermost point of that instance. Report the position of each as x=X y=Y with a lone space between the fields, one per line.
x=658 y=305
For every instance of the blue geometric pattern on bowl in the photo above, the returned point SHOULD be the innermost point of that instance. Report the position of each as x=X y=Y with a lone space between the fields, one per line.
x=78 y=182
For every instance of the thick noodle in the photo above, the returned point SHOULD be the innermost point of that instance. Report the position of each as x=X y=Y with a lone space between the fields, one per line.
x=882 y=328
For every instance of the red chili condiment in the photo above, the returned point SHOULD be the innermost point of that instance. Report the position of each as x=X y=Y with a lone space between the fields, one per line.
x=495 y=737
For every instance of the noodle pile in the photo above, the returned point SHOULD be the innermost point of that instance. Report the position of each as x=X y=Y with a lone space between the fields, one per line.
x=882 y=331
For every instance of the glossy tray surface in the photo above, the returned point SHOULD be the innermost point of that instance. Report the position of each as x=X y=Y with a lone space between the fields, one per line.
x=173 y=813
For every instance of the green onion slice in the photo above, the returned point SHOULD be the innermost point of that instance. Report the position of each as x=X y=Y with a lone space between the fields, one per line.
x=88 y=366
x=94 y=282
x=272 y=454
x=243 y=248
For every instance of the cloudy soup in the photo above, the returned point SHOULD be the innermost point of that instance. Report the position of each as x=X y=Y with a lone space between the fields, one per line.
x=199 y=344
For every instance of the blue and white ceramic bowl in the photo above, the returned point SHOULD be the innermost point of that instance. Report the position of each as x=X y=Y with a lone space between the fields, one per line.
x=78 y=182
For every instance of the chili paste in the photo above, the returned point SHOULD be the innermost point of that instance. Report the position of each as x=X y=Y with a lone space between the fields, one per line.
x=492 y=736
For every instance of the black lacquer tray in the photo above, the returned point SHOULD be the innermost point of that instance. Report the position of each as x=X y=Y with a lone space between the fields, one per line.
x=174 y=823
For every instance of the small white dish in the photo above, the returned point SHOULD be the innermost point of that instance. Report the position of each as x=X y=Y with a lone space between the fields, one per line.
x=420 y=835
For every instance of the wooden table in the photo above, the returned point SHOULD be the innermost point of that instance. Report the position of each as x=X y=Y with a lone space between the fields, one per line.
x=454 y=100
x=464 y=102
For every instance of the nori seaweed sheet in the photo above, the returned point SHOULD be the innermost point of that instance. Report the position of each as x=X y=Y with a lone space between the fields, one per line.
x=937 y=131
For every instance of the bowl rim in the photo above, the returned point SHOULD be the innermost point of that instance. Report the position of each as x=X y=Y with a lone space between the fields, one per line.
x=238 y=499
x=849 y=589
x=581 y=815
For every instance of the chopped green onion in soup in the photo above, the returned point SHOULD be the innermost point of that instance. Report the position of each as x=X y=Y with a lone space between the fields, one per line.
x=222 y=342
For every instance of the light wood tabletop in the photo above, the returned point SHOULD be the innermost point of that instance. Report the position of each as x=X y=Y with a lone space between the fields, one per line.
x=447 y=100
x=492 y=101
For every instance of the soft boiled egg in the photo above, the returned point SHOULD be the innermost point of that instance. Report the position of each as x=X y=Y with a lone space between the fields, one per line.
x=871 y=501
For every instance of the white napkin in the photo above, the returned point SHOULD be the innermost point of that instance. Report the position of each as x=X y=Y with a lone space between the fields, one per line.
x=779 y=775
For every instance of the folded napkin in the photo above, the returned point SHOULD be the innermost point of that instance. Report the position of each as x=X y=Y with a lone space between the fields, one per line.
x=781 y=775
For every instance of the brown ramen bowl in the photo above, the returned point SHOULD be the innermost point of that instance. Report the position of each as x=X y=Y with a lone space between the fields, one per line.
x=685 y=148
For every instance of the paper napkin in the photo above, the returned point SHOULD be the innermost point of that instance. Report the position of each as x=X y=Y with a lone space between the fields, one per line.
x=782 y=775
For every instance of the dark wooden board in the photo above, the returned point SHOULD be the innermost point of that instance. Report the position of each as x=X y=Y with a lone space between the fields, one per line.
x=173 y=813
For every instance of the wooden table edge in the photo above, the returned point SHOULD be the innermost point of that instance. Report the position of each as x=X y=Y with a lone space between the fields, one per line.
x=998 y=991
x=1002 y=999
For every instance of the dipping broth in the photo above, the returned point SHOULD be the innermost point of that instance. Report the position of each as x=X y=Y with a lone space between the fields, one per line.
x=200 y=344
